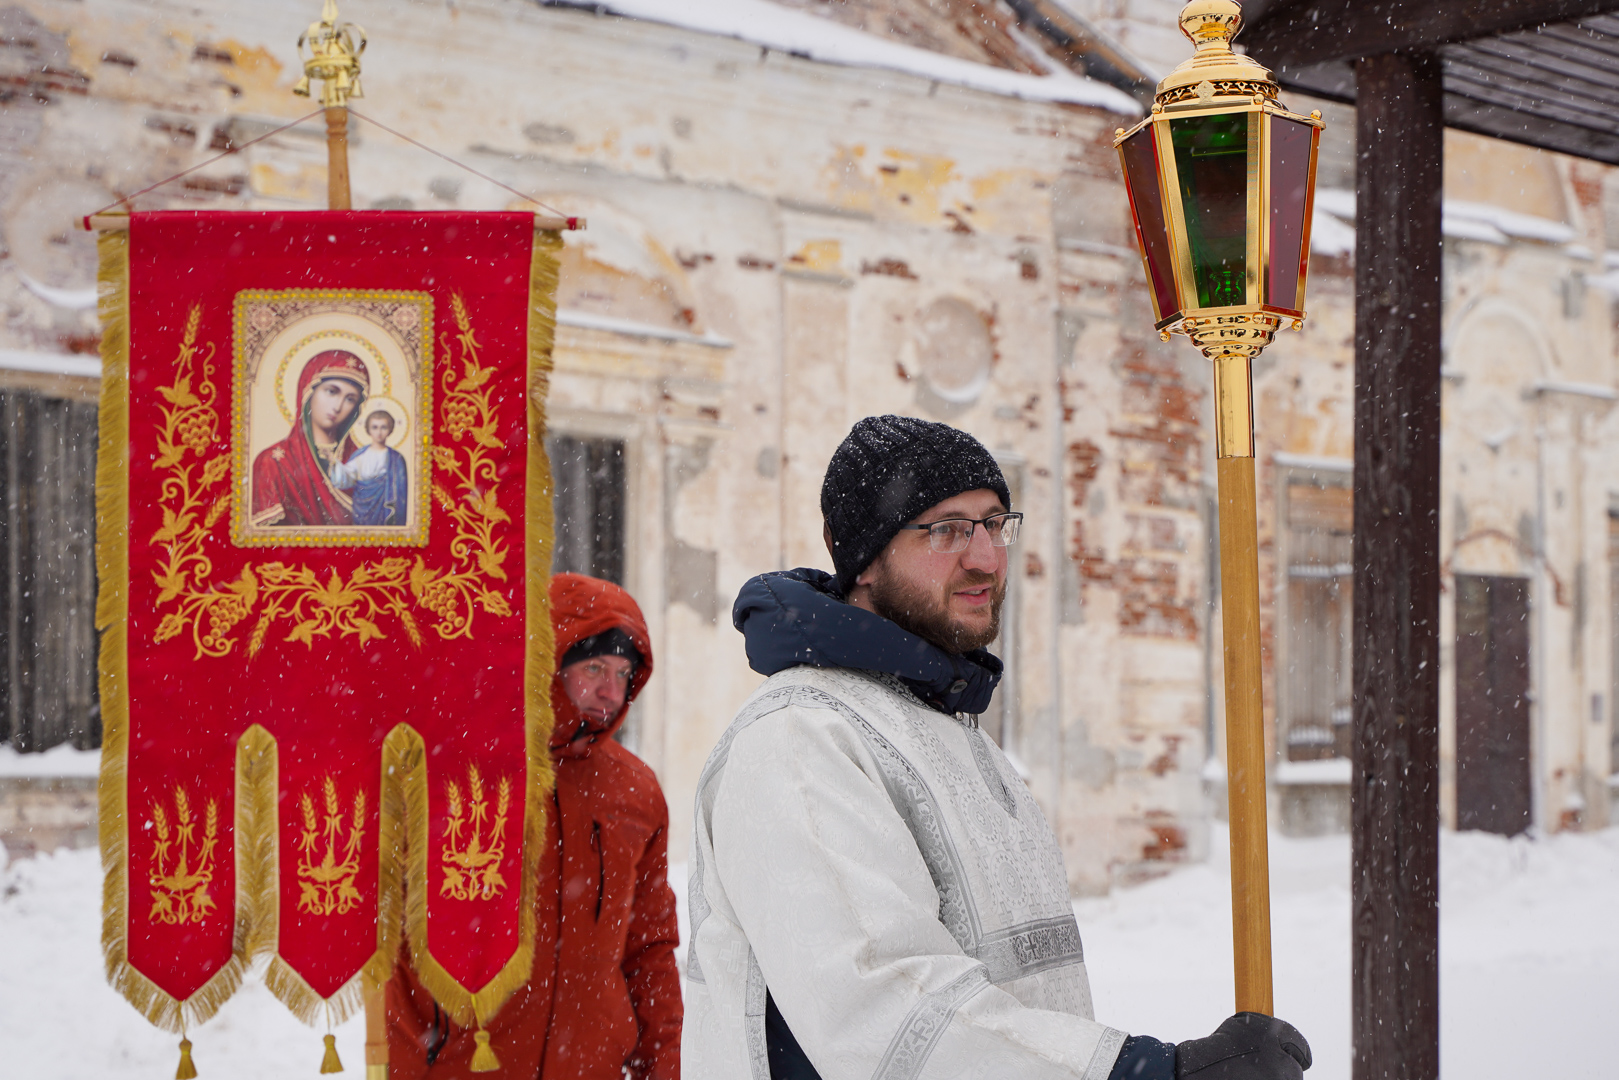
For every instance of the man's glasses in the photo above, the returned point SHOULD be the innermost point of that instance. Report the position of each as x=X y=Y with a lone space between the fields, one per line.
x=954 y=534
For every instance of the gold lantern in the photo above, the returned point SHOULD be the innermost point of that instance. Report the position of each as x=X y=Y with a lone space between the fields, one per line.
x=1221 y=180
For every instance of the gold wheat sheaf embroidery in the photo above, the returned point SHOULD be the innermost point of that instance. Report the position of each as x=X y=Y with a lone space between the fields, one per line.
x=474 y=847
x=329 y=853
x=182 y=866
x=322 y=602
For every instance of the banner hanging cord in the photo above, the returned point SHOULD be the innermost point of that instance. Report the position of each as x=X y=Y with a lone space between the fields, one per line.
x=462 y=165
x=126 y=200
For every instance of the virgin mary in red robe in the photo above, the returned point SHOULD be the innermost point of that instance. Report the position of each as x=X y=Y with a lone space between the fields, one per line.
x=292 y=482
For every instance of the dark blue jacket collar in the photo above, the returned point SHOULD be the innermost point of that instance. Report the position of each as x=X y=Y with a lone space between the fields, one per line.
x=793 y=617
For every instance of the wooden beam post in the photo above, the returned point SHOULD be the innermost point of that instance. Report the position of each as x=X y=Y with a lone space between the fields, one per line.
x=1395 y=792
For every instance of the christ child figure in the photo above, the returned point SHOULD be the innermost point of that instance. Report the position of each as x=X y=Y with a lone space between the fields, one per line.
x=376 y=474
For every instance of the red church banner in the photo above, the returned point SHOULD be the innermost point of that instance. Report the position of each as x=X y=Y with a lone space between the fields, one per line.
x=326 y=655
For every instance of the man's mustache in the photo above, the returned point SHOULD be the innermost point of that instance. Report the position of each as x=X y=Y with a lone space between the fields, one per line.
x=971 y=578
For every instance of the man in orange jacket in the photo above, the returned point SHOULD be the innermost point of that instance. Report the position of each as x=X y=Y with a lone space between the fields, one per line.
x=604 y=997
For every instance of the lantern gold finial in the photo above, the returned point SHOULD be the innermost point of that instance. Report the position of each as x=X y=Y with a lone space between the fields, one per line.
x=1210 y=25
x=1211 y=22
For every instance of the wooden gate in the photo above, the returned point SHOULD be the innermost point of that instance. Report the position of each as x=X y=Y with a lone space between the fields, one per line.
x=1492 y=704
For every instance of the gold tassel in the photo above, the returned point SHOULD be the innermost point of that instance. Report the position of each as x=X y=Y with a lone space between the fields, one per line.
x=483 y=1058
x=186 y=1071
x=331 y=1063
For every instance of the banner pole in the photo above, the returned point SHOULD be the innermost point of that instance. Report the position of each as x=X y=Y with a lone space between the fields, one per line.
x=333 y=59
x=376 y=1031
x=337 y=157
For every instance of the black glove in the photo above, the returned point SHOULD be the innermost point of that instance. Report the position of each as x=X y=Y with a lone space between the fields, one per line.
x=1247 y=1046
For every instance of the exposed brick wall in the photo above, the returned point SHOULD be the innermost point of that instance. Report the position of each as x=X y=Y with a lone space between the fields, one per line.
x=1159 y=468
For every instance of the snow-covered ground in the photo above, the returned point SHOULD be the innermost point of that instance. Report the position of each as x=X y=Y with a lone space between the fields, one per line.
x=1528 y=952
x=1529 y=957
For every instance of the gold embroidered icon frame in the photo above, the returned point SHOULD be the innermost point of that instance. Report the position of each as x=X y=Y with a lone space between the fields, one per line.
x=318 y=601
x=277 y=333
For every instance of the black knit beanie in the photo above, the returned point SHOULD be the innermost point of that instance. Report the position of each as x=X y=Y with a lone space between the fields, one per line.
x=614 y=642
x=889 y=470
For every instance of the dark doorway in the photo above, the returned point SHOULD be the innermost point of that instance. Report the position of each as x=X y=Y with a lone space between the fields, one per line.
x=48 y=641
x=589 y=501
x=1492 y=704
x=1613 y=642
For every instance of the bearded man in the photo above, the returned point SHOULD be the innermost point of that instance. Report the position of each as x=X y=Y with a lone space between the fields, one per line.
x=874 y=893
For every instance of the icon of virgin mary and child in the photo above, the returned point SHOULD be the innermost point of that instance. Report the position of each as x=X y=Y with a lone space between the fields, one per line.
x=317 y=475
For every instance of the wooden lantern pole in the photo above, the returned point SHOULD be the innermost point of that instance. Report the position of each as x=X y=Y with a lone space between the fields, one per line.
x=1231 y=309
x=1244 y=702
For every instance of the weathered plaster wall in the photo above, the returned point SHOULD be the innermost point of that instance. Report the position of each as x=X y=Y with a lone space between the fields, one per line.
x=788 y=246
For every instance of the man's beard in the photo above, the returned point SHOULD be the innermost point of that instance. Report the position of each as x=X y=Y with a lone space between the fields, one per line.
x=929 y=618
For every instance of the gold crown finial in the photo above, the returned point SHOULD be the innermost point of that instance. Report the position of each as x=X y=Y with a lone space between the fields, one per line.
x=1214 y=70
x=334 y=57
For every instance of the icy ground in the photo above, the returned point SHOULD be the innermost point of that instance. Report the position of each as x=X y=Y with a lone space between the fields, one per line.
x=1529 y=951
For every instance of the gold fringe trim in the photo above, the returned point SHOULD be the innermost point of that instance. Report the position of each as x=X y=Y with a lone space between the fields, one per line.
x=258 y=851
x=112 y=610
x=305 y=1003
x=258 y=831
x=467 y=1007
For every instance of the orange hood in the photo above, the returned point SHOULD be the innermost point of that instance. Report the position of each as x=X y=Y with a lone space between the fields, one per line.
x=583 y=607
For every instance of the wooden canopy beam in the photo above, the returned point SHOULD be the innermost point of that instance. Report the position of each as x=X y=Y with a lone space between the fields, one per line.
x=1307 y=32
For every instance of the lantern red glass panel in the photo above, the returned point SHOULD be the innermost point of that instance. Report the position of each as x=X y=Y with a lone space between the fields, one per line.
x=1293 y=147
x=1222 y=199
x=1140 y=156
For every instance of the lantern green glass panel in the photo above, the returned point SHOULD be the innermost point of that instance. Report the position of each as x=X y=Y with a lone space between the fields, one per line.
x=1139 y=154
x=1211 y=159
x=1292 y=152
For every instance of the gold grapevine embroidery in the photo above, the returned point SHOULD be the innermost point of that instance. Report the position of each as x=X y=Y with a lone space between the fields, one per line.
x=182 y=866
x=474 y=847
x=320 y=602
x=329 y=852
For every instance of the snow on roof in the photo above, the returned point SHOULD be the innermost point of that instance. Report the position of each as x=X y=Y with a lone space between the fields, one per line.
x=51 y=363
x=57 y=761
x=1329 y=771
x=1513 y=224
x=586 y=320
x=72 y=299
x=1330 y=236
x=800 y=34
x=1462 y=220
